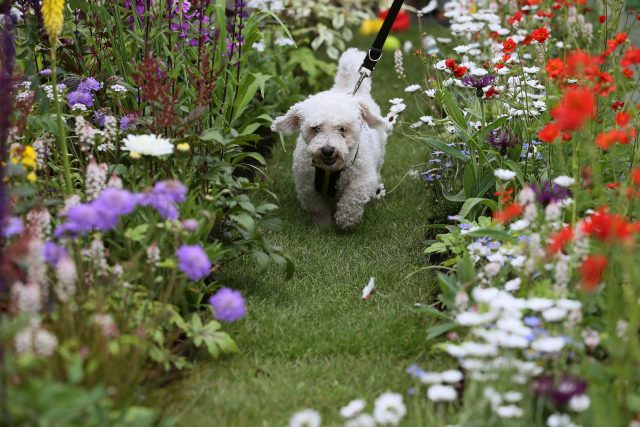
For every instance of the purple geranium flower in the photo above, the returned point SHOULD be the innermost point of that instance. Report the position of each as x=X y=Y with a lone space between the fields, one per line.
x=12 y=226
x=80 y=97
x=549 y=193
x=193 y=261
x=52 y=253
x=228 y=305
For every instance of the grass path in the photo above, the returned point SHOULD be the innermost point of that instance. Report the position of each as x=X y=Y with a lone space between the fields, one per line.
x=311 y=341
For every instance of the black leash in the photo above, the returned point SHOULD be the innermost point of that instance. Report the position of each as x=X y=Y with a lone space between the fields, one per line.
x=375 y=51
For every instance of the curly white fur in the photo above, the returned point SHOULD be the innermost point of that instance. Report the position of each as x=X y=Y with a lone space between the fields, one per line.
x=333 y=127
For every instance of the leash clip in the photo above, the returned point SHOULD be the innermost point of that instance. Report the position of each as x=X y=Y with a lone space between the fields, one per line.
x=364 y=73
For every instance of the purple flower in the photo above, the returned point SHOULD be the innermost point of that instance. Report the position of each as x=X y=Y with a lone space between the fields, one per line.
x=190 y=225
x=478 y=82
x=559 y=392
x=228 y=305
x=12 y=226
x=549 y=193
x=45 y=72
x=53 y=253
x=80 y=97
x=164 y=196
x=81 y=219
x=118 y=201
x=502 y=140
x=193 y=261
x=127 y=121
x=89 y=84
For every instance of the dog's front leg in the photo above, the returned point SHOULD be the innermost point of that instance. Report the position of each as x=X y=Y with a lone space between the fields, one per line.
x=350 y=207
x=315 y=205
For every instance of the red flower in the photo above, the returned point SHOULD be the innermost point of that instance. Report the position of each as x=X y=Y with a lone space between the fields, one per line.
x=549 y=133
x=555 y=68
x=576 y=106
x=402 y=22
x=459 y=71
x=602 y=19
x=607 y=227
x=450 y=63
x=559 y=240
x=623 y=118
x=631 y=57
x=603 y=83
x=540 y=35
x=617 y=105
x=628 y=73
x=591 y=271
x=517 y=17
x=508 y=212
x=581 y=64
x=509 y=45
x=606 y=139
x=635 y=176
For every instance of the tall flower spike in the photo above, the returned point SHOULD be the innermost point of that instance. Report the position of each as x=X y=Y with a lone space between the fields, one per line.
x=52 y=13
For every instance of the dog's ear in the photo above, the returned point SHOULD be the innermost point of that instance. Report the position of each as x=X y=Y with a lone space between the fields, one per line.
x=288 y=123
x=369 y=115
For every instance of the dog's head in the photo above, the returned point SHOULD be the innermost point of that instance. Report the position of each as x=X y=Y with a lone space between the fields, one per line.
x=330 y=123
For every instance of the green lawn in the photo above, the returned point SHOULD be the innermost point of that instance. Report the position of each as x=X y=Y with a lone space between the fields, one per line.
x=312 y=341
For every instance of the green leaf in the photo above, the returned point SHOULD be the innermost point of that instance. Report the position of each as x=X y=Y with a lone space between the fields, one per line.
x=245 y=221
x=441 y=146
x=431 y=311
x=440 y=329
x=469 y=204
x=451 y=107
x=137 y=234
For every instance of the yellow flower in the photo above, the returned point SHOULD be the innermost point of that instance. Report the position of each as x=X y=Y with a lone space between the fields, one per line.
x=52 y=13
x=184 y=146
x=370 y=26
x=31 y=177
x=134 y=155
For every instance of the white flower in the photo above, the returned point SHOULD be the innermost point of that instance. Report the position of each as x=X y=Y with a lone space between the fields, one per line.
x=452 y=376
x=479 y=72
x=428 y=120
x=148 y=145
x=118 y=88
x=412 y=88
x=471 y=318
x=305 y=418
x=78 y=107
x=559 y=420
x=520 y=225
x=431 y=93
x=397 y=108
x=368 y=290
x=579 y=403
x=554 y=314
x=389 y=409
x=512 y=396
x=548 y=344
x=259 y=46
x=284 y=41
x=513 y=285
x=530 y=70
x=564 y=181
x=504 y=174
x=362 y=420
x=431 y=378
x=442 y=393
x=509 y=411
x=353 y=408
x=395 y=101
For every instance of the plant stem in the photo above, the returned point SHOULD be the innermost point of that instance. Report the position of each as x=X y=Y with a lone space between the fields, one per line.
x=62 y=139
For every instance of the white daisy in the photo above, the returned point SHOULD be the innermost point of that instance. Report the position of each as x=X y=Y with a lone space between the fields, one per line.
x=509 y=411
x=305 y=418
x=147 y=145
x=442 y=393
x=564 y=181
x=353 y=408
x=548 y=344
x=412 y=88
x=579 y=403
x=389 y=409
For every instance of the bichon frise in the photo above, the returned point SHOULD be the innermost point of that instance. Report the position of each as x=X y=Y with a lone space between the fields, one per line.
x=340 y=149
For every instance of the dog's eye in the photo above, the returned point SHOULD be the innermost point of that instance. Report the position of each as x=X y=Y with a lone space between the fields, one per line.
x=342 y=130
x=315 y=129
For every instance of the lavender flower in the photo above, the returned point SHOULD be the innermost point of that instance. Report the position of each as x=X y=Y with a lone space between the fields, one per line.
x=164 y=196
x=228 y=305
x=12 y=226
x=52 y=253
x=502 y=140
x=127 y=121
x=46 y=72
x=89 y=84
x=551 y=192
x=193 y=261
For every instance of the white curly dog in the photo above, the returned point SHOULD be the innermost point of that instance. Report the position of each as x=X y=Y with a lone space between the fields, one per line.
x=340 y=149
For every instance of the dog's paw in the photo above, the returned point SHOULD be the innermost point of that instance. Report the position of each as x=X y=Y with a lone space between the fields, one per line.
x=346 y=221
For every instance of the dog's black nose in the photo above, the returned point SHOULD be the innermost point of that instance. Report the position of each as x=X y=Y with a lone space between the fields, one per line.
x=327 y=151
